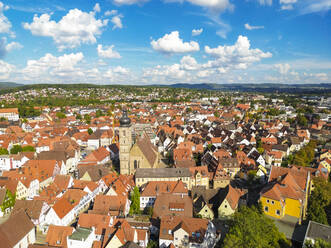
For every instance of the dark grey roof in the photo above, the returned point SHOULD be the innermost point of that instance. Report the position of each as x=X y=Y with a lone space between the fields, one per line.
x=125 y=120
x=318 y=231
x=162 y=172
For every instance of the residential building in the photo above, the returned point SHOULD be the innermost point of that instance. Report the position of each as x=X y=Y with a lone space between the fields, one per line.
x=13 y=235
x=183 y=231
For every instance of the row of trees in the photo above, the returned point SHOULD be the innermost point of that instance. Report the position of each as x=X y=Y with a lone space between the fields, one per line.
x=16 y=149
x=28 y=111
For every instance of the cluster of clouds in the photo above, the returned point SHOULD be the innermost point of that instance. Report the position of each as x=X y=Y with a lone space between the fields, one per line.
x=75 y=28
x=222 y=59
x=67 y=68
x=224 y=63
x=303 y=6
x=5 y=28
x=214 y=5
x=5 y=24
x=172 y=43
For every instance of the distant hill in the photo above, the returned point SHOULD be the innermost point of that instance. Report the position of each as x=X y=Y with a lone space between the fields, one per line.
x=256 y=88
x=4 y=85
x=263 y=88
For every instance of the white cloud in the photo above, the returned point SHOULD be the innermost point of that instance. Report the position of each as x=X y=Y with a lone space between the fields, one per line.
x=13 y=46
x=5 y=24
x=5 y=48
x=287 y=1
x=283 y=68
x=108 y=52
x=286 y=7
x=265 y=2
x=166 y=72
x=121 y=70
x=129 y=2
x=249 y=27
x=237 y=56
x=117 y=75
x=227 y=59
x=172 y=43
x=48 y=66
x=97 y=7
x=315 y=6
x=117 y=21
x=287 y=4
x=71 y=31
x=189 y=63
x=111 y=12
x=213 y=5
x=196 y=32
x=5 y=70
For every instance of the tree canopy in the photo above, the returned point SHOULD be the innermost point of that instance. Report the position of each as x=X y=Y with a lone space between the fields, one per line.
x=90 y=131
x=3 y=151
x=319 y=199
x=250 y=228
x=28 y=149
x=16 y=149
x=319 y=243
x=135 y=201
x=305 y=155
x=60 y=115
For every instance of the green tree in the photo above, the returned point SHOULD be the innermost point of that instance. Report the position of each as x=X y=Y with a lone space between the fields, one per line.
x=188 y=110
x=90 y=131
x=16 y=149
x=152 y=244
x=3 y=151
x=9 y=201
x=251 y=229
x=87 y=118
x=319 y=243
x=135 y=201
x=60 y=115
x=78 y=116
x=28 y=149
x=98 y=113
x=319 y=200
x=260 y=150
x=302 y=120
x=305 y=155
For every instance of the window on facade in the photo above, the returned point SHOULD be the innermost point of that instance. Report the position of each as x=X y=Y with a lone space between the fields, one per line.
x=278 y=212
x=135 y=164
x=272 y=202
x=266 y=209
x=267 y=201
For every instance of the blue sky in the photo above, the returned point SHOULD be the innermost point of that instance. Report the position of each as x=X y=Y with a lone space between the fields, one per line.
x=165 y=41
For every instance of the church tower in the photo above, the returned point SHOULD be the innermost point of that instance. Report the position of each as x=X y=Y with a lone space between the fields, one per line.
x=125 y=136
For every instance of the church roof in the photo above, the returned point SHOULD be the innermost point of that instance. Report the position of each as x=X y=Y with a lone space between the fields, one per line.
x=147 y=149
